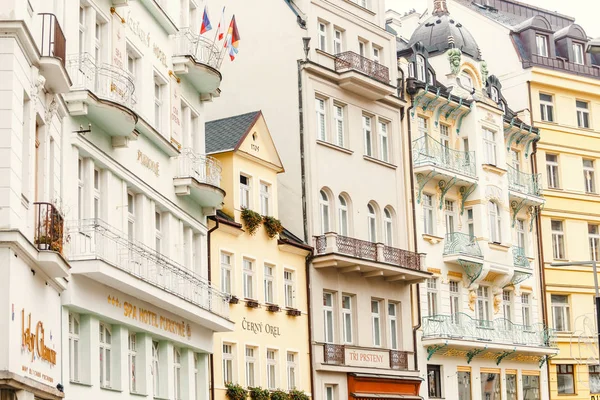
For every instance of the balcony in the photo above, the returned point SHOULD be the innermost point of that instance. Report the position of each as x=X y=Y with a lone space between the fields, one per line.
x=463 y=246
x=197 y=59
x=199 y=176
x=371 y=259
x=106 y=255
x=355 y=356
x=49 y=239
x=524 y=187
x=460 y=331
x=519 y=258
x=103 y=93
x=52 y=49
x=432 y=157
x=360 y=75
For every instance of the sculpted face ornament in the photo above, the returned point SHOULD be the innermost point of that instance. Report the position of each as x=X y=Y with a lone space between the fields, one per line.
x=454 y=56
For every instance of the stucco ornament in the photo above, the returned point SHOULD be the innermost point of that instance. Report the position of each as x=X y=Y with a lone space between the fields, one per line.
x=472 y=299
x=454 y=56
x=484 y=71
x=497 y=302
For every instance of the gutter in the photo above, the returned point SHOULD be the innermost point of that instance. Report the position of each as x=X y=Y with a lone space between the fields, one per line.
x=211 y=360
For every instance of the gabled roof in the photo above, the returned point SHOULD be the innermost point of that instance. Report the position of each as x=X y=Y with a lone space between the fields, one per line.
x=226 y=134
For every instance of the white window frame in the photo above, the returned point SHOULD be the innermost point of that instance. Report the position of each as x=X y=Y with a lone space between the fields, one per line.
x=428 y=214
x=541 y=45
x=343 y=222
x=265 y=198
x=329 y=392
x=454 y=295
x=245 y=192
x=422 y=126
x=157 y=232
x=578 y=54
x=82 y=28
x=388 y=226
x=432 y=296
x=507 y=308
x=132 y=361
x=470 y=222
x=324 y=206
x=564 y=309
x=384 y=151
x=131 y=216
x=269 y=283
x=250 y=365
x=97 y=194
x=74 y=341
x=159 y=95
x=338 y=41
x=368 y=135
x=552 y=168
x=594 y=241
x=376 y=54
x=347 y=318
x=546 y=107
x=393 y=325
x=228 y=364
x=450 y=215
x=483 y=305
x=328 y=317
x=372 y=223
x=322 y=32
x=338 y=116
x=589 y=176
x=248 y=278
x=421 y=68
x=495 y=95
x=99 y=28
x=558 y=239
x=292 y=367
x=376 y=322
x=583 y=114
x=321 y=111
x=156 y=367
x=177 y=372
x=489 y=146
x=80 y=189
x=105 y=349
x=272 y=369
x=289 y=288
x=526 y=309
x=495 y=221
x=521 y=234
x=226 y=272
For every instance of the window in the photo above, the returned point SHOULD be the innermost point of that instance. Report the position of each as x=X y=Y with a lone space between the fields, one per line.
x=422 y=126
x=495 y=95
x=450 y=216
x=383 y=141
x=130 y=216
x=594 y=237
x=105 y=360
x=526 y=309
x=227 y=363
x=464 y=385
x=291 y=370
x=226 y=273
x=155 y=369
x=269 y=283
x=552 y=170
x=177 y=372
x=507 y=304
x=483 y=305
x=339 y=124
x=511 y=386
x=322 y=36
x=515 y=159
x=132 y=356
x=421 y=68
x=343 y=217
x=265 y=198
x=329 y=392
x=337 y=41
x=376 y=53
x=546 y=108
x=541 y=43
x=558 y=240
x=288 y=288
x=158 y=103
x=588 y=176
x=248 y=279
x=347 y=318
x=583 y=114
x=565 y=379
x=98 y=35
x=244 y=191
x=594 y=371
x=361 y=49
x=82 y=29
x=157 y=232
x=96 y=193
x=490 y=385
x=531 y=387
x=393 y=324
x=445 y=141
x=489 y=146
x=521 y=235
x=372 y=223
x=388 y=226
x=495 y=222
x=470 y=223
x=432 y=296
x=434 y=381
x=578 y=54
x=561 y=318
x=321 y=119
x=466 y=80
x=454 y=289
x=428 y=213
x=328 y=316
x=376 y=321
x=368 y=135
x=250 y=366
x=324 y=205
x=271 y=369
x=74 y=347
x=132 y=64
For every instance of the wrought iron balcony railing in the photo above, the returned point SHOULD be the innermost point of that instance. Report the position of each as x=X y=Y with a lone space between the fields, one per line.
x=104 y=80
x=350 y=60
x=204 y=169
x=519 y=257
x=428 y=151
x=335 y=354
x=457 y=243
x=49 y=226
x=93 y=239
x=202 y=49
x=524 y=183
x=462 y=326
x=332 y=242
x=53 y=42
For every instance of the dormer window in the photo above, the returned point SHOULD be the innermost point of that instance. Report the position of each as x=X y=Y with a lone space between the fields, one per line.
x=421 y=68
x=430 y=78
x=541 y=43
x=466 y=81
x=495 y=95
x=578 y=53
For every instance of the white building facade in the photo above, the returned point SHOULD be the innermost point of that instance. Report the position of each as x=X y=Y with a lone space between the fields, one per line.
x=108 y=278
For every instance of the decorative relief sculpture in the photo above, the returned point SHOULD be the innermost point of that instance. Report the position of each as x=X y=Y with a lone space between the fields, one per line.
x=454 y=56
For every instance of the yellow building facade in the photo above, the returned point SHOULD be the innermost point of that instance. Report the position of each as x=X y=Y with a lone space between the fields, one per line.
x=266 y=277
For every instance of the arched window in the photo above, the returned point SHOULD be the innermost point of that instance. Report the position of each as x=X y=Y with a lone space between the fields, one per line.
x=324 y=206
x=421 y=68
x=466 y=80
x=495 y=222
x=388 y=225
x=430 y=78
x=372 y=223
x=343 y=217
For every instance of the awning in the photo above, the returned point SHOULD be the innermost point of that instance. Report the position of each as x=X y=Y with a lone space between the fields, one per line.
x=384 y=396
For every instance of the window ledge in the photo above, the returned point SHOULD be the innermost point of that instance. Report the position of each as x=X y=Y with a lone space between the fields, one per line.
x=334 y=147
x=498 y=246
x=325 y=53
x=494 y=169
x=111 y=389
x=432 y=239
x=138 y=394
x=380 y=162
x=80 y=383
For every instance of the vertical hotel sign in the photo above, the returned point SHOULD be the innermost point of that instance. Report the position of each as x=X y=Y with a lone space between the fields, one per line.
x=118 y=55
x=175 y=111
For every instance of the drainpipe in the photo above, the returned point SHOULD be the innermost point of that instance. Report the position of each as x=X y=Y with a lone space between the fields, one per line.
x=310 y=332
x=211 y=360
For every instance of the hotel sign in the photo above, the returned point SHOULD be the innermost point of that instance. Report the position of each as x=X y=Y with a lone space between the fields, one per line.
x=366 y=358
x=34 y=341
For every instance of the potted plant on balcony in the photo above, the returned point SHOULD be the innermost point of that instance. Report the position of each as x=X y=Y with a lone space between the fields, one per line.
x=296 y=394
x=235 y=391
x=272 y=226
x=279 y=395
x=251 y=219
x=234 y=300
x=250 y=303
x=273 y=308
x=293 y=312
x=258 y=393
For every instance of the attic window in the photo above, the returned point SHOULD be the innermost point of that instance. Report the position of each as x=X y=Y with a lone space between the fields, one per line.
x=254 y=136
x=494 y=94
x=466 y=80
x=541 y=43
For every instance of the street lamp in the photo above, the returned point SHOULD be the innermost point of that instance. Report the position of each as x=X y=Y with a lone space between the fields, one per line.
x=593 y=46
x=593 y=264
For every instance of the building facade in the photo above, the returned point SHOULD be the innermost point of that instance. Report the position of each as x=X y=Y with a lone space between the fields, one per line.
x=476 y=201
x=269 y=347
x=108 y=273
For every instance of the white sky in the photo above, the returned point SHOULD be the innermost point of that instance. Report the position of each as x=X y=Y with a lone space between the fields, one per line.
x=585 y=12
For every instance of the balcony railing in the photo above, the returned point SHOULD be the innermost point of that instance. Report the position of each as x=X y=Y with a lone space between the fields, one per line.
x=524 y=183
x=53 y=42
x=457 y=243
x=204 y=169
x=428 y=151
x=519 y=257
x=335 y=354
x=562 y=64
x=350 y=60
x=94 y=239
x=104 y=80
x=201 y=48
x=367 y=250
x=462 y=326
x=49 y=226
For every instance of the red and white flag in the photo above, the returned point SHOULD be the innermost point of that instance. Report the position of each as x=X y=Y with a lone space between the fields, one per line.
x=221 y=27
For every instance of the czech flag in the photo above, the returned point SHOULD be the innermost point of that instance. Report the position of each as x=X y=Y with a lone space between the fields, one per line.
x=205 y=22
x=232 y=39
x=221 y=27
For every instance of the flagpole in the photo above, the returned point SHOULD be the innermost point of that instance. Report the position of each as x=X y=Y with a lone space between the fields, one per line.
x=218 y=28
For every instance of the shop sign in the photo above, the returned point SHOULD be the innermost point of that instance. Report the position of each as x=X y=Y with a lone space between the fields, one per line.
x=144 y=37
x=259 y=327
x=147 y=162
x=34 y=341
x=367 y=358
x=175 y=112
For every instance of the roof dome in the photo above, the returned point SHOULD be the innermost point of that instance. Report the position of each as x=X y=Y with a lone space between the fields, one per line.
x=440 y=30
